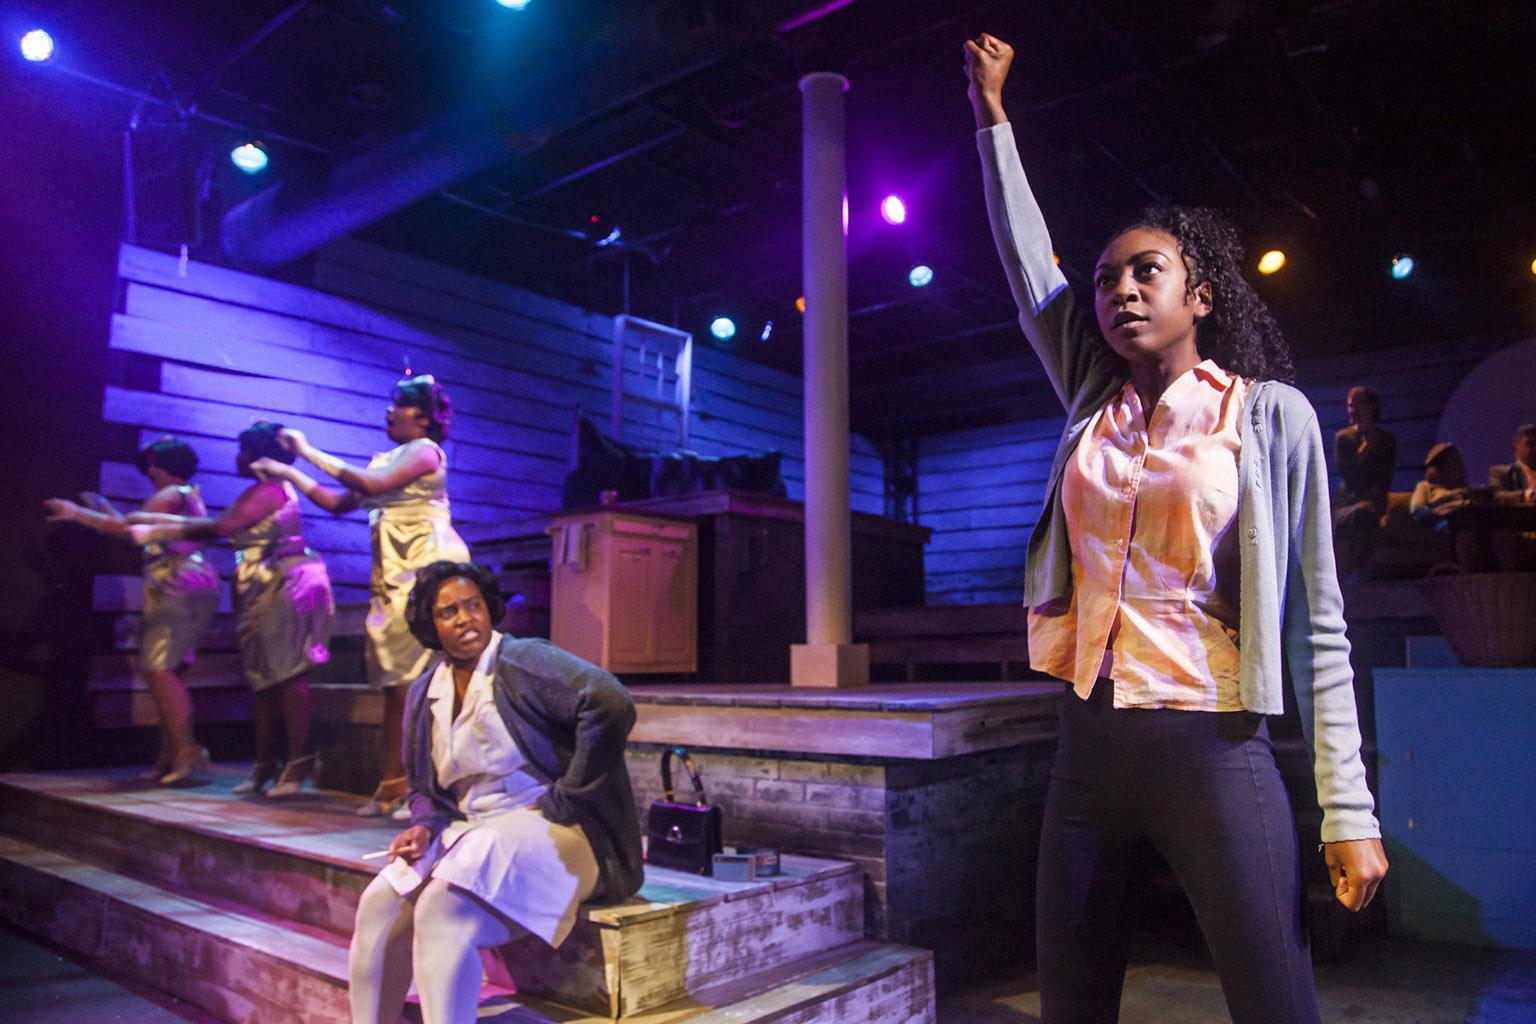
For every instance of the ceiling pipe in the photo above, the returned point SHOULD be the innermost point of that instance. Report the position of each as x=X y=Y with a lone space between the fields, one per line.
x=624 y=51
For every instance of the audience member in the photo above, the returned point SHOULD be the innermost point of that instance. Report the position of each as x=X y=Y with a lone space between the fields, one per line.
x=1443 y=489
x=1364 y=456
x=1517 y=481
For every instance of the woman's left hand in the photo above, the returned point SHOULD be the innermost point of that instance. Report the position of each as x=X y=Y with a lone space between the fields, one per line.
x=1356 y=868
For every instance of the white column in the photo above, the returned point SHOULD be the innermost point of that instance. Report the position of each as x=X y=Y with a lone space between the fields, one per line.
x=828 y=658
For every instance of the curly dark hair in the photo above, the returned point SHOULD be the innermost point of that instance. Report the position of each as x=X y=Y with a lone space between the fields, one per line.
x=171 y=454
x=424 y=393
x=1239 y=334
x=429 y=580
x=259 y=441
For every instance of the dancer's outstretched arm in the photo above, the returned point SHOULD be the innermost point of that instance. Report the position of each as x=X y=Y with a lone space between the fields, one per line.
x=416 y=459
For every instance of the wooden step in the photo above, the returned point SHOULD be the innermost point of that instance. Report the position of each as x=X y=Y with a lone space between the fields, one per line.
x=245 y=967
x=226 y=961
x=953 y=620
x=300 y=861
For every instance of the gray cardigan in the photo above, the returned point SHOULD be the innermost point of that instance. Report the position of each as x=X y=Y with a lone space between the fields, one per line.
x=1291 y=607
x=570 y=719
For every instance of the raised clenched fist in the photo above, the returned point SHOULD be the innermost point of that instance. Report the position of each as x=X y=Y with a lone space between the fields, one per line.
x=987 y=59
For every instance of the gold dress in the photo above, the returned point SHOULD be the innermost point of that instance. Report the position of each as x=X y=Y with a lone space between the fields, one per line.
x=181 y=594
x=410 y=528
x=283 y=604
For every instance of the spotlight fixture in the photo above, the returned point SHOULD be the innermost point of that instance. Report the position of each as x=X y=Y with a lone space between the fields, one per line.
x=767 y=331
x=800 y=302
x=37 y=46
x=1533 y=266
x=1271 y=261
x=250 y=157
x=513 y=5
x=920 y=275
x=893 y=210
x=723 y=327
x=1402 y=266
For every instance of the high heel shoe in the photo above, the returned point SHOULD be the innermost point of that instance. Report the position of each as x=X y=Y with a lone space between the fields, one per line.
x=185 y=769
x=387 y=797
x=262 y=774
x=294 y=773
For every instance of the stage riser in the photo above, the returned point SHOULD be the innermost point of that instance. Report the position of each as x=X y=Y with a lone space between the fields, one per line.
x=215 y=972
x=252 y=923
x=307 y=891
x=213 y=960
x=626 y=971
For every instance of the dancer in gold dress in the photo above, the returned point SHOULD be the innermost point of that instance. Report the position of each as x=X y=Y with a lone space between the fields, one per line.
x=405 y=491
x=181 y=594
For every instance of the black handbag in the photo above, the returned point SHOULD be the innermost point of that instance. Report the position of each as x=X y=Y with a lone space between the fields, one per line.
x=684 y=837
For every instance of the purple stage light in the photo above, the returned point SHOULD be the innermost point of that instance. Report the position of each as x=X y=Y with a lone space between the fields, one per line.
x=37 y=46
x=893 y=210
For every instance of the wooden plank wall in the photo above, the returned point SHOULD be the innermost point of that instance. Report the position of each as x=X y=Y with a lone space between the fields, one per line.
x=981 y=490
x=211 y=349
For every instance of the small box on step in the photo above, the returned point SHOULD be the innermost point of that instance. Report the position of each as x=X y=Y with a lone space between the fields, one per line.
x=746 y=864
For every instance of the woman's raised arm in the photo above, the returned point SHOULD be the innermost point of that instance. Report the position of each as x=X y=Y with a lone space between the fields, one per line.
x=1069 y=347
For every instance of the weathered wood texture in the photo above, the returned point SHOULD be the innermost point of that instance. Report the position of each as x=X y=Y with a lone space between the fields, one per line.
x=981 y=490
x=243 y=908
x=181 y=945
x=204 y=352
x=643 y=958
x=946 y=847
x=214 y=349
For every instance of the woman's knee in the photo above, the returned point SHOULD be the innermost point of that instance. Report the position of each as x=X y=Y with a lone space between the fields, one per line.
x=449 y=914
x=379 y=906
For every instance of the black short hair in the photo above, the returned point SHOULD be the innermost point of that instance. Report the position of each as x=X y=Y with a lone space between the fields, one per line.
x=1361 y=393
x=422 y=392
x=259 y=441
x=1527 y=431
x=171 y=454
x=430 y=579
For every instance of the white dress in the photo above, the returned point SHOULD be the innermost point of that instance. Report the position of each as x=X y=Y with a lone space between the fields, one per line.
x=529 y=869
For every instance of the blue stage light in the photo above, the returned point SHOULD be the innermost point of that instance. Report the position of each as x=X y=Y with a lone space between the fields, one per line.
x=1402 y=266
x=893 y=210
x=723 y=327
x=767 y=331
x=920 y=275
x=37 y=46
x=250 y=157
x=513 y=5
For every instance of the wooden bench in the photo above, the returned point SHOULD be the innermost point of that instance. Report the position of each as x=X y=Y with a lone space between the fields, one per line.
x=979 y=634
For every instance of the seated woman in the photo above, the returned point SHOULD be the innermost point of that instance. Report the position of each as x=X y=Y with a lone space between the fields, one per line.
x=1443 y=489
x=521 y=806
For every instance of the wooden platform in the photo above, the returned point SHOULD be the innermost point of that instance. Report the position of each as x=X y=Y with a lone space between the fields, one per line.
x=243 y=907
x=895 y=720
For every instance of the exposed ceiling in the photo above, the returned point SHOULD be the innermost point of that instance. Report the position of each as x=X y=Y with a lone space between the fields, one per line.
x=1343 y=132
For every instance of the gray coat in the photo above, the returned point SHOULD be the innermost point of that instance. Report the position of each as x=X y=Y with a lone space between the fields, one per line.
x=571 y=720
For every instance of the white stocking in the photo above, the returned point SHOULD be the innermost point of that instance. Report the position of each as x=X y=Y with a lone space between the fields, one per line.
x=379 y=960
x=452 y=927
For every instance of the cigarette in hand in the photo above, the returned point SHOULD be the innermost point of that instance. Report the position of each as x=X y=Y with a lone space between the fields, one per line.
x=376 y=855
